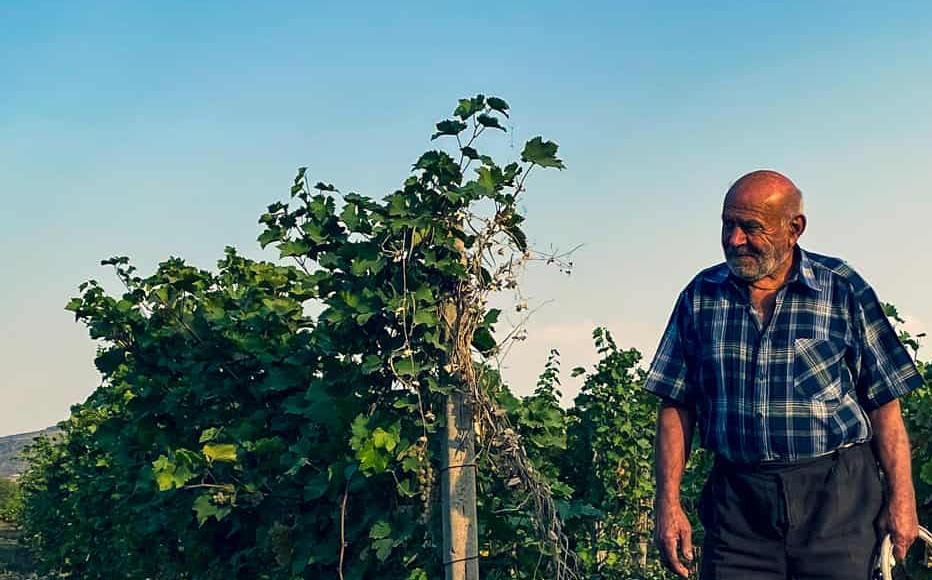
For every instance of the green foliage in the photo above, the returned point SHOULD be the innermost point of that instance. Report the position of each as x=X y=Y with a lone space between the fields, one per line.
x=11 y=501
x=509 y=544
x=236 y=435
x=610 y=466
x=917 y=414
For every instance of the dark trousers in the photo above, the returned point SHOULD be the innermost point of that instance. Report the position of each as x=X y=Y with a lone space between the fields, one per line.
x=812 y=520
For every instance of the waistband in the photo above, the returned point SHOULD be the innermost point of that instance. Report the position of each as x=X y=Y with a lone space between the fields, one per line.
x=781 y=466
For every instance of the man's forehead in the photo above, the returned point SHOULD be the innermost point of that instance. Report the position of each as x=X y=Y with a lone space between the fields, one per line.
x=755 y=202
x=764 y=198
x=755 y=194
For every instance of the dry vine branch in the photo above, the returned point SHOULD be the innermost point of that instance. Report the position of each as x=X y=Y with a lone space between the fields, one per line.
x=502 y=442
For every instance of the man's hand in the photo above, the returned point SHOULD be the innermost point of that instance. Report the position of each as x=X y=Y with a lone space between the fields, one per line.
x=672 y=531
x=900 y=520
x=674 y=536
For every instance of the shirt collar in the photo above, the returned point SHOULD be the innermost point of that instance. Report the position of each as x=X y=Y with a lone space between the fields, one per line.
x=803 y=274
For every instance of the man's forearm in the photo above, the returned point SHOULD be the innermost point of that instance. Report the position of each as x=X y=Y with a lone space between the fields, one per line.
x=891 y=444
x=671 y=450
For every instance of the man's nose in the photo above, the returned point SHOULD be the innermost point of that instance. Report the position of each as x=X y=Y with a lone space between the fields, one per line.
x=736 y=237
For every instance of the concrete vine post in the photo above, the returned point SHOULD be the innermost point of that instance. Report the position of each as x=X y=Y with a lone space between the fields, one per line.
x=458 y=492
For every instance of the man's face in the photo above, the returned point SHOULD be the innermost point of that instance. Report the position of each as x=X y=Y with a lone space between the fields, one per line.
x=756 y=237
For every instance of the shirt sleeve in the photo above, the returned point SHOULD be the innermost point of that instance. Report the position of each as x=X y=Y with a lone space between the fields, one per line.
x=887 y=371
x=667 y=377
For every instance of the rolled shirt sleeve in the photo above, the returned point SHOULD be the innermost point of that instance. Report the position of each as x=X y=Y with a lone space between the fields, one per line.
x=887 y=371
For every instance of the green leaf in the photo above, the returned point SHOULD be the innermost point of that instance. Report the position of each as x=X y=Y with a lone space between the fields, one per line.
x=411 y=464
x=425 y=316
x=405 y=367
x=469 y=107
x=543 y=153
x=490 y=179
x=383 y=439
x=449 y=127
x=381 y=529
x=470 y=153
x=372 y=460
x=281 y=306
x=483 y=340
x=424 y=293
x=204 y=509
x=926 y=473
x=351 y=299
x=489 y=121
x=517 y=236
x=109 y=360
x=315 y=232
x=406 y=489
x=172 y=474
x=416 y=236
x=497 y=104
x=164 y=478
x=383 y=548
x=209 y=435
x=370 y=364
x=359 y=429
x=293 y=248
x=223 y=452
x=317 y=486
x=407 y=405
x=268 y=236
x=350 y=216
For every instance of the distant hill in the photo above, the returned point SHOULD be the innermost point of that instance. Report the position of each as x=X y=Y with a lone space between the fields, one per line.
x=10 y=448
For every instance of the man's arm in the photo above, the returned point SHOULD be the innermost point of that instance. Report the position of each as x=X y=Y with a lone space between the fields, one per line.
x=671 y=450
x=891 y=444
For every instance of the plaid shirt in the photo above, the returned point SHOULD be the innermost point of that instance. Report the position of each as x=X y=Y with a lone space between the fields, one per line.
x=799 y=387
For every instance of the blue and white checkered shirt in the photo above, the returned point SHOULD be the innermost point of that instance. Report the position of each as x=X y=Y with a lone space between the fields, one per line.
x=798 y=388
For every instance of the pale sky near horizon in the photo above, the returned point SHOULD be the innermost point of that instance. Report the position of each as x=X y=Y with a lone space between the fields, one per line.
x=160 y=129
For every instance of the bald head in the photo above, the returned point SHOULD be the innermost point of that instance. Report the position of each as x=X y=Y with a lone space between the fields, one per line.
x=769 y=189
x=762 y=218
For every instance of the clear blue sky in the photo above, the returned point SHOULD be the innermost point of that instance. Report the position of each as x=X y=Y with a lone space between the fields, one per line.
x=164 y=128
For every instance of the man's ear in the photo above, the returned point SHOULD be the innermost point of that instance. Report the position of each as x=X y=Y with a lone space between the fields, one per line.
x=797 y=226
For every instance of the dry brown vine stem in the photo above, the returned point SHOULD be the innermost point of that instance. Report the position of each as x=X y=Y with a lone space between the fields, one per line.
x=343 y=525
x=503 y=443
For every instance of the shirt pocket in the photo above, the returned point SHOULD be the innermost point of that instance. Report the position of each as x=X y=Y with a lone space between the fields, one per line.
x=816 y=369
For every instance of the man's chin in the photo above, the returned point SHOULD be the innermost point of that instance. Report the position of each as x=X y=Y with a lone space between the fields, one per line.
x=743 y=273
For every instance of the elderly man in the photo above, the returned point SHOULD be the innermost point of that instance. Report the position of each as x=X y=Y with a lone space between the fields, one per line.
x=788 y=365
